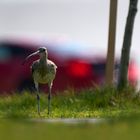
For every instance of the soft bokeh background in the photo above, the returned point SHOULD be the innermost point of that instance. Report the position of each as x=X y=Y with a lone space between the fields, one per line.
x=83 y=21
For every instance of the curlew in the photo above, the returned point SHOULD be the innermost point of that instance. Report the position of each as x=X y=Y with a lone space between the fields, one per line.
x=43 y=72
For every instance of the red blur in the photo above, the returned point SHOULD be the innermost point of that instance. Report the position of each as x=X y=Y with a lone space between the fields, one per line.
x=74 y=70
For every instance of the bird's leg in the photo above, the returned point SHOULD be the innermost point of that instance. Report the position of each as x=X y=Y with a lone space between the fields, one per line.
x=38 y=97
x=49 y=98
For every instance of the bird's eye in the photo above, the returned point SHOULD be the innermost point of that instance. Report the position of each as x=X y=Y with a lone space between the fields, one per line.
x=41 y=50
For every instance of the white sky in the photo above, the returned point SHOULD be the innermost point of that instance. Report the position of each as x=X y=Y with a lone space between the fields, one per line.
x=84 y=21
x=46 y=1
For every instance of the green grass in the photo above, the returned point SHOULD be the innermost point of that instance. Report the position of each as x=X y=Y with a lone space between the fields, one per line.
x=19 y=118
x=123 y=129
x=26 y=130
x=97 y=103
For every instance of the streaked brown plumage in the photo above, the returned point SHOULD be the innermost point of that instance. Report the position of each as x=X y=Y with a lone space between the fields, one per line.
x=43 y=72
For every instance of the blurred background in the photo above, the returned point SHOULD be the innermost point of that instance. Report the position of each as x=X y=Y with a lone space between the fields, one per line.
x=78 y=24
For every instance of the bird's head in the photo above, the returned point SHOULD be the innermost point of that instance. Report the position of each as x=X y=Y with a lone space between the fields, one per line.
x=41 y=52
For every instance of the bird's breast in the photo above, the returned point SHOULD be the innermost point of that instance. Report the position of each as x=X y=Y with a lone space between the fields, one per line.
x=42 y=78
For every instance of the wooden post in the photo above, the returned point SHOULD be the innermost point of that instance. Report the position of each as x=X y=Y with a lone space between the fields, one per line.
x=111 y=43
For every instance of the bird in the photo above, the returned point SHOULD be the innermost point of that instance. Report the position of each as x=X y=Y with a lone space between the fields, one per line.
x=43 y=72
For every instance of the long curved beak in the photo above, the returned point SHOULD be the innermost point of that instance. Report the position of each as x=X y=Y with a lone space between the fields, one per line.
x=29 y=56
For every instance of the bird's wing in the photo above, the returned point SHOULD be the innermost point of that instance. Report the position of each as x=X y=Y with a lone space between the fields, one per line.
x=52 y=64
x=52 y=67
x=34 y=66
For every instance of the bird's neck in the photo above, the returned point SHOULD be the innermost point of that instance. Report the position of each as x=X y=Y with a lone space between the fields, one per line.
x=43 y=59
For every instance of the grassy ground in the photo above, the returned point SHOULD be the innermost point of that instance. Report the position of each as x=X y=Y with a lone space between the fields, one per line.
x=90 y=103
x=19 y=119
x=124 y=129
